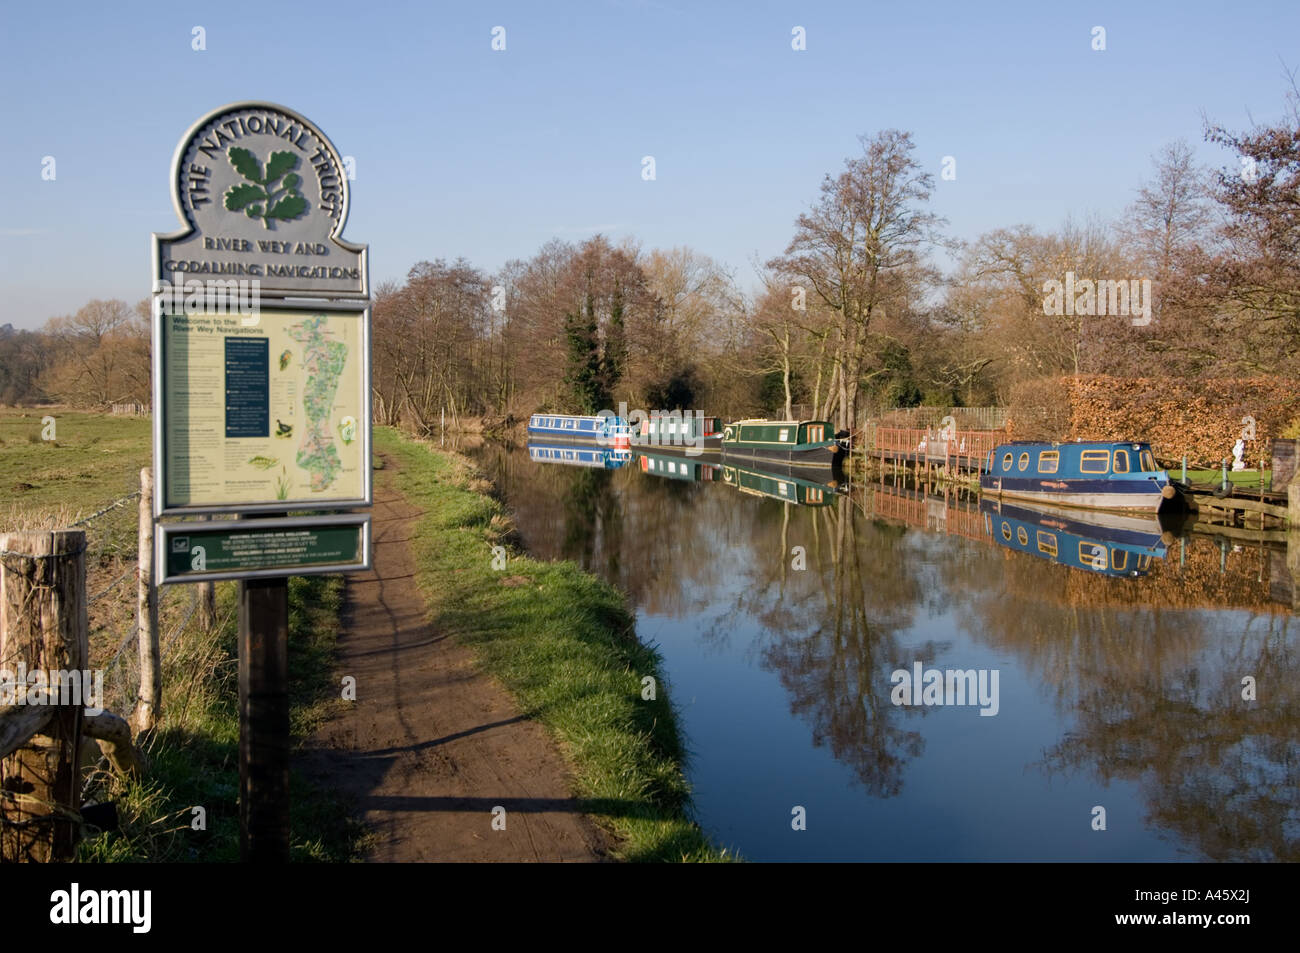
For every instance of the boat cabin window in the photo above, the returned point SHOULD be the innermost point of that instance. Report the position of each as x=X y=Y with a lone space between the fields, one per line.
x=1024 y=460
x=1022 y=535
x=1006 y=530
x=1144 y=563
x=1121 y=461
x=1148 y=462
x=784 y=435
x=1119 y=559
x=1049 y=461
x=1092 y=555
x=815 y=434
x=1047 y=543
x=1094 y=461
x=1006 y=462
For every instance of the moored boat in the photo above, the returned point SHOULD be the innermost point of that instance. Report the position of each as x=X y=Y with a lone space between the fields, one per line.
x=808 y=443
x=607 y=430
x=1106 y=475
x=687 y=433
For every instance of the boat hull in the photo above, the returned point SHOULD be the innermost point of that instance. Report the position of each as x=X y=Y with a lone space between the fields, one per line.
x=1079 y=494
x=708 y=446
x=812 y=457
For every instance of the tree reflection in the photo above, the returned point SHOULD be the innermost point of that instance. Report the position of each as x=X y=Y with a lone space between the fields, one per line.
x=832 y=633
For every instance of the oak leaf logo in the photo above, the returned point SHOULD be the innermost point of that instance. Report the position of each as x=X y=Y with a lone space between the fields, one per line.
x=260 y=197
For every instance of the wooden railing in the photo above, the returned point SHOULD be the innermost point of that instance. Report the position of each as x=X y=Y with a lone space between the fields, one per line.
x=965 y=448
x=925 y=512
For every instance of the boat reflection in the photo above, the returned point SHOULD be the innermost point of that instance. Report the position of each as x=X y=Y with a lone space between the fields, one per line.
x=801 y=486
x=675 y=467
x=596 y=458
x=1105 y=543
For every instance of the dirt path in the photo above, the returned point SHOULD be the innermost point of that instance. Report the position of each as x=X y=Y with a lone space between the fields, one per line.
x=432 y=744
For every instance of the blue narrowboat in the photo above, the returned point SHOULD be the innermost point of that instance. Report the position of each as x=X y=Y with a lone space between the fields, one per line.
x=605 y=429
x=1110 y=544
x=599 y=458
x=1094 y=474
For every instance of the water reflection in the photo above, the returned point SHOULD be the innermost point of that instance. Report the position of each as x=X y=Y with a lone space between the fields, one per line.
x=781 y=614
x=1111 y=544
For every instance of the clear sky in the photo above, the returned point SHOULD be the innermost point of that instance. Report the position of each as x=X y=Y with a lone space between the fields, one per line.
x=462 y=150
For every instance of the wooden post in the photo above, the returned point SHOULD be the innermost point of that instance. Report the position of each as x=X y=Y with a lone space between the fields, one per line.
x=264 y=720
x=207 y=608
x=207 y=605
x=43 y=625
x=113 y=735
x=149 y=701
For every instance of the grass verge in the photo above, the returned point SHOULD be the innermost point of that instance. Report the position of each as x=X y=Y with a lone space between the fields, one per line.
x=564 y=644
x=194 y=754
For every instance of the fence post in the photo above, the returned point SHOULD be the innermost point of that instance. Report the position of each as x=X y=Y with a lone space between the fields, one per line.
x=149 y=701
x=43 y=626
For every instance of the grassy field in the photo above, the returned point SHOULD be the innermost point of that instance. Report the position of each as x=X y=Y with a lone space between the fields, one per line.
x=564 y=643
x=93 y=461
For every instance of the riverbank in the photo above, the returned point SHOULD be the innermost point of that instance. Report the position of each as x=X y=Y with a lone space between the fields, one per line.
x=565 y=646
x=61 y=467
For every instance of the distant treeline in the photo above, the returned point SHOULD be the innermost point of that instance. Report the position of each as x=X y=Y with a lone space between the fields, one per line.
x=853 y=315
x=94 y=358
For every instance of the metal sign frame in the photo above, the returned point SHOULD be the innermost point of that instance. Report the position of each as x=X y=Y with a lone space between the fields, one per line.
x=160 y=501
x=160 y=239
x=165 y=532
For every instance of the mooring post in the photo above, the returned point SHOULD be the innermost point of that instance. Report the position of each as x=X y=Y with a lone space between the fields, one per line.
x=1225 y=474
x=1184 y=480
x=264 y=720
x=43 y=626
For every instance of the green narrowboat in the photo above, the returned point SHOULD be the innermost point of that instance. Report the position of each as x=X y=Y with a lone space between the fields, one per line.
x=806 y=443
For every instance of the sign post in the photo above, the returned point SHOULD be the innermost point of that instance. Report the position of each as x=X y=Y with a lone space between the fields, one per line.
x=261 y=387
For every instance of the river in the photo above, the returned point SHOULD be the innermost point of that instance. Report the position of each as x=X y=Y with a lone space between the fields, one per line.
x=1141 y=702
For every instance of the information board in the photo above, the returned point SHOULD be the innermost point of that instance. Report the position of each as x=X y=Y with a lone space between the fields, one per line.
x=245 y=549
x=264 y=412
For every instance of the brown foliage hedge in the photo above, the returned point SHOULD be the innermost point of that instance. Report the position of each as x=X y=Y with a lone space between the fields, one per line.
x=1202 y=418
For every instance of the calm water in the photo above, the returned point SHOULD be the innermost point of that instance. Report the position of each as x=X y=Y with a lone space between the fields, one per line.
x=1117 y=691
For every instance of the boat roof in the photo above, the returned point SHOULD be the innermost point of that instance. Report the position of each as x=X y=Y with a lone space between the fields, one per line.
x=761 y=420
x=1135 y=444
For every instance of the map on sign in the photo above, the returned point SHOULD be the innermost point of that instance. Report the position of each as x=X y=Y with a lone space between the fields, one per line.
x=264 y=409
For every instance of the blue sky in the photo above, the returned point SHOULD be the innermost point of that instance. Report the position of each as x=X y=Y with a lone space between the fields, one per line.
x=461 y=150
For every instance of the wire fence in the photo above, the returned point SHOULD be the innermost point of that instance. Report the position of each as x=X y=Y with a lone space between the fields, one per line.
x=112 y=579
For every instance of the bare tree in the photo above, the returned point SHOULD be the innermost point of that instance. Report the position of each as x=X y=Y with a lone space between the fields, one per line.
x=860 y=245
